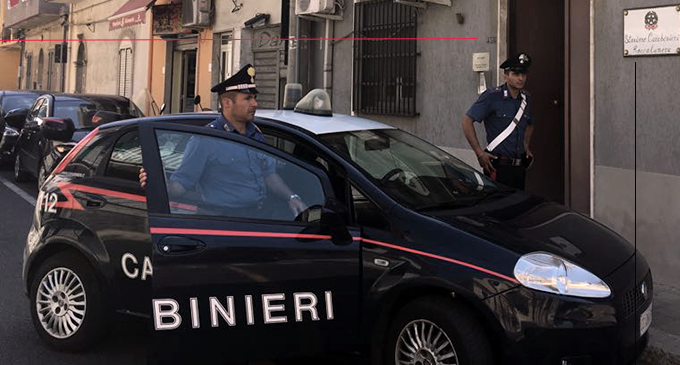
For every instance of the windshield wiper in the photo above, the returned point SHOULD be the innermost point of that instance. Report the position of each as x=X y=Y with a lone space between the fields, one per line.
x=446 y=205
x=493 y=195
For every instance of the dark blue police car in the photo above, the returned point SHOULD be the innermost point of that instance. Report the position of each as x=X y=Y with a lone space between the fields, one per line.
x=404 y=255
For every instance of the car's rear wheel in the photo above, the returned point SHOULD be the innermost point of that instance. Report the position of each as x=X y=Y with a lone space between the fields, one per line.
x=436 y=331
x=67 y=307
x=20 y=175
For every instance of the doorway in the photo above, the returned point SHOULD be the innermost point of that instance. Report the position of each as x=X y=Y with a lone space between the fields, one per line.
x=183 y=75
x=542 y=38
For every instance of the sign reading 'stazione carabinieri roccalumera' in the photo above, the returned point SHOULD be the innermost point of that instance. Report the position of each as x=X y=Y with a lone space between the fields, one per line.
x=651 y=31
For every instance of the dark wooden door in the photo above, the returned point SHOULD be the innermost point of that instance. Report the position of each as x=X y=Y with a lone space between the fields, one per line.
x=537 y=28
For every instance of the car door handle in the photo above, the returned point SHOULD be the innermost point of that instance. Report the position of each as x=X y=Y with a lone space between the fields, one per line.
x=175 y=245
x=91 y=201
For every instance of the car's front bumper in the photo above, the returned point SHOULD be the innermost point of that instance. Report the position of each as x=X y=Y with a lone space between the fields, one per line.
x=543 y=328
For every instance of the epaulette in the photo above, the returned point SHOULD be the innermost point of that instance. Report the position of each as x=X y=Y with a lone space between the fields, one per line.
x=497 y=89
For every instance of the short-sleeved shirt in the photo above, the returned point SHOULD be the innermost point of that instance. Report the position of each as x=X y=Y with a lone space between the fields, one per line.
x=226 y=174
x=496 y=108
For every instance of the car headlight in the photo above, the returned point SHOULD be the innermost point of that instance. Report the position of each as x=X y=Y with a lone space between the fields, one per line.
x=553 y=274
x=10 y=132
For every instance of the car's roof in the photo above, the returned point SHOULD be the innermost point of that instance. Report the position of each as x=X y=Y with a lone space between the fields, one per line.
x=22 y=92
x=321 y=124
x=65 y=96
x=311 y=123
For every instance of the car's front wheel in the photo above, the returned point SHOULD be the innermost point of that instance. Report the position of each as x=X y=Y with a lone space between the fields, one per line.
x=67 y=307
x=437 y=331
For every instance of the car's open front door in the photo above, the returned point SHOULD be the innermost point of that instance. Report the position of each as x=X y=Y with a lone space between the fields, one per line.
x=236 y=273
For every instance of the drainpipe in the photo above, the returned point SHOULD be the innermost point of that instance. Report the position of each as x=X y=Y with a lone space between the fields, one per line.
x=21 y=60
x=64 y=53
x=328 y=59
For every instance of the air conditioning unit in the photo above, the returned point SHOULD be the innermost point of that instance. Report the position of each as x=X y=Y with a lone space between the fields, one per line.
x=196 y=13
x=303 y=7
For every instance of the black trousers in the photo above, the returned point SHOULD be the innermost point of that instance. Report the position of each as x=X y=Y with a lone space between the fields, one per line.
x=512 y=176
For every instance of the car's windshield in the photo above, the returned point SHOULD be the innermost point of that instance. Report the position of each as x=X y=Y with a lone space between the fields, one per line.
x=412 y=171
x=82 y=111
x=17 y=102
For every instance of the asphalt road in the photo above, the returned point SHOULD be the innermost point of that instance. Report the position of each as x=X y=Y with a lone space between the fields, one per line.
x=19 y=342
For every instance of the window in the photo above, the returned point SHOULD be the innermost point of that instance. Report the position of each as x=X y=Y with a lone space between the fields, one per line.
x=125 y=69
x=212 y=176
x=385 y=70
x=366 y=213
x=85 y=162
x=126 y=158
x=29 y=70
x=225 y=56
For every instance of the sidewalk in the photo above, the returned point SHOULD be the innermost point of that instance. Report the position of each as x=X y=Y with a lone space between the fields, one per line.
x=664 y=335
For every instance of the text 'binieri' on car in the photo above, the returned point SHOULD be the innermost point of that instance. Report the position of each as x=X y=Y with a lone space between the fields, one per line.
x=404 y=254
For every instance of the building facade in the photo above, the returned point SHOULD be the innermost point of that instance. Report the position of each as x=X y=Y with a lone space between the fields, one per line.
x=10 y=52
x=590 y=153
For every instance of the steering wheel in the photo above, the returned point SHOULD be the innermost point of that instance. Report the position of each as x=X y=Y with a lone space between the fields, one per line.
x=390 y=174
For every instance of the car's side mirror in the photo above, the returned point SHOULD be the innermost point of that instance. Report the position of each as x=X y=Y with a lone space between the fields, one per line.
x=16 y=118
x=162 y=109
x=57 y=129
x=197 y=100
x=332 y=223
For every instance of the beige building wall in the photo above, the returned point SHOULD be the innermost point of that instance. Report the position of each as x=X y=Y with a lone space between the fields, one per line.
x=157 y=72
x=9 y=59
x=49 y=76
x=204 y=68
x=89 y=21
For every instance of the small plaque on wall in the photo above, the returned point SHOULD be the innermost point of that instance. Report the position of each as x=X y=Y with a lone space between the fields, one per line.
x=651 y=31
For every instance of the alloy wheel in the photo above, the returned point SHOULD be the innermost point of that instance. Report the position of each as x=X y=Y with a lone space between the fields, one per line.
x=61 y=303
x=421 y=342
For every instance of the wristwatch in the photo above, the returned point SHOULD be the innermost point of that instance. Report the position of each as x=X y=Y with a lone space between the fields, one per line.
x=293 y=196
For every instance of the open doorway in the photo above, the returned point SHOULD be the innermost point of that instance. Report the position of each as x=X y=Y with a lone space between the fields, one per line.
x=183 y=75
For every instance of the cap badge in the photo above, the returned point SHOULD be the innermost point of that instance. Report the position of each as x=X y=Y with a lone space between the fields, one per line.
x=251 y=73
x=523 y=58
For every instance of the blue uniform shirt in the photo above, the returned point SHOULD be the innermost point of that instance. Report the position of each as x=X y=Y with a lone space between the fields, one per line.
x=226 y=174
x=496 y=108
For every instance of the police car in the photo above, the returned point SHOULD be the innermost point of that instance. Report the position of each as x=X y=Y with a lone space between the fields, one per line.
x=404 y=255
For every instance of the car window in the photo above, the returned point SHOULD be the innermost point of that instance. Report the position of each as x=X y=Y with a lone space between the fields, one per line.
x=213 y=176
x=42 y=111
x=126 y=158
x=85 y=162
x=16 y=102
x=412 y=171
x=82 y=111
x=366 y=213
x=34 y=109
x=304 y=151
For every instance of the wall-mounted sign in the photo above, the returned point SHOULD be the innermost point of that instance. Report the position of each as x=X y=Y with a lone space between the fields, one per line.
x=651 y=31
x=167 y=20
x=480 y=62
x=128 y=20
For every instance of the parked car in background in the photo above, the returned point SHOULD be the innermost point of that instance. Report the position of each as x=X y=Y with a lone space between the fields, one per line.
x=12 y=100
x=35 y=156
